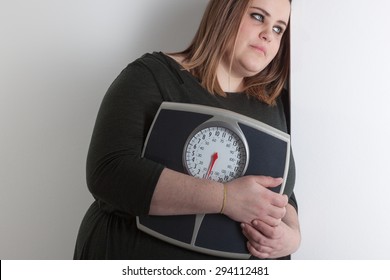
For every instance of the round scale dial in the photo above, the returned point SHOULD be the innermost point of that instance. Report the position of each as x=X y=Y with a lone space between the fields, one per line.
x=216 y=151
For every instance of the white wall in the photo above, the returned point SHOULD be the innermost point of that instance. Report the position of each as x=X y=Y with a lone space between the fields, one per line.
x=341 y=130
x=58 y=57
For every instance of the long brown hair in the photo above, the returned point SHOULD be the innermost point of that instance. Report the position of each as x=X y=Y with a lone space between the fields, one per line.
x=218 y=31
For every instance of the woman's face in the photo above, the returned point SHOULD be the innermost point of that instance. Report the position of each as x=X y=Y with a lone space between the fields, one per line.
x=259 y=37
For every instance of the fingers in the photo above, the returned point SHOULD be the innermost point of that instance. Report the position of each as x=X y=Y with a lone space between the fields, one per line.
x=261 y=233
x=268 y=182
x=280 y=200
x=258 y=245
x=263 y=240
x=276 y=210
x=274 y=204
x=261 y=252
x=272 y=232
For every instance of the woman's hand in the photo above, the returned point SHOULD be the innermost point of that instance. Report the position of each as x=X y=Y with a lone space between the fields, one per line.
x=265 y=241
x=248 y=198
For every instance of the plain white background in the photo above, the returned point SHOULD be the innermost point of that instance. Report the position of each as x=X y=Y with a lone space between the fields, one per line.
x=340 y=87
x=57 y=59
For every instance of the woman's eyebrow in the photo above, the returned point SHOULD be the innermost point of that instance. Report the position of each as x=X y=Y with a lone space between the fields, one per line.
x=269 y=15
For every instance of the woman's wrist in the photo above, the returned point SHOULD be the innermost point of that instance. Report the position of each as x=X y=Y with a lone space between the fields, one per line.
x=223 y=199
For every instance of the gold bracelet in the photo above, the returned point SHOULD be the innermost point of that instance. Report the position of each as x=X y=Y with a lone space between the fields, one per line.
x=224 y=199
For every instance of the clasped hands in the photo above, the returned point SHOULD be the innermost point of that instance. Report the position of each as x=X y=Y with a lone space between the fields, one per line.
x=267 y=220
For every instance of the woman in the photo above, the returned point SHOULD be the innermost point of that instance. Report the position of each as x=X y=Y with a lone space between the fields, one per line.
x=238 y=60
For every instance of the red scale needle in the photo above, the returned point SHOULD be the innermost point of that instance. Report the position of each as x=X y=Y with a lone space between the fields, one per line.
x=214 y=158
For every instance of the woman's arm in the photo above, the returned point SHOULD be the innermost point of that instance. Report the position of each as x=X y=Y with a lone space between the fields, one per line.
x=246 y=197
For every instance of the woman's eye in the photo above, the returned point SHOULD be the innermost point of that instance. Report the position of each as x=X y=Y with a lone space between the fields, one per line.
x=277 y=29
x=257 y=17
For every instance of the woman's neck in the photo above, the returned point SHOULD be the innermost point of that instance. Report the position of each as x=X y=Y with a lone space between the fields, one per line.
x=227 y=81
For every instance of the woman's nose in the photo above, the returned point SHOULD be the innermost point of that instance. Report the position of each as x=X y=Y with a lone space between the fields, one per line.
x=266 y=35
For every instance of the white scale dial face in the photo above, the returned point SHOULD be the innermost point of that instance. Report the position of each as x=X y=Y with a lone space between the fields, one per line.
x=216 y=153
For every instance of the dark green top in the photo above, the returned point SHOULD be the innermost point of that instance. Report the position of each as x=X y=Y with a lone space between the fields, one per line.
x=121 y=181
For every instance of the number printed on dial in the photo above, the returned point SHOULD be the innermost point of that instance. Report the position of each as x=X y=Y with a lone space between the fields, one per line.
x=216 y=153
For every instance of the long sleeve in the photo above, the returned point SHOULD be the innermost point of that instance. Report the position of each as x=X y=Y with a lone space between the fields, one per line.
x=116 y=173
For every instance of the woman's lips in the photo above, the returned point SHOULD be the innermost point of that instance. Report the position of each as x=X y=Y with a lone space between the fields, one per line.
x=259 y=49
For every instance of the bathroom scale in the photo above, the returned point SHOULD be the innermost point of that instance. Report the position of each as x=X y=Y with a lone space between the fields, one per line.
x=216 y=144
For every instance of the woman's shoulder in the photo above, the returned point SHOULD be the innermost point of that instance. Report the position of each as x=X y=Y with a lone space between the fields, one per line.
x=153 y=59
x=145 y=65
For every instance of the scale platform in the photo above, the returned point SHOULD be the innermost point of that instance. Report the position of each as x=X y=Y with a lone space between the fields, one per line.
x=214 y=234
